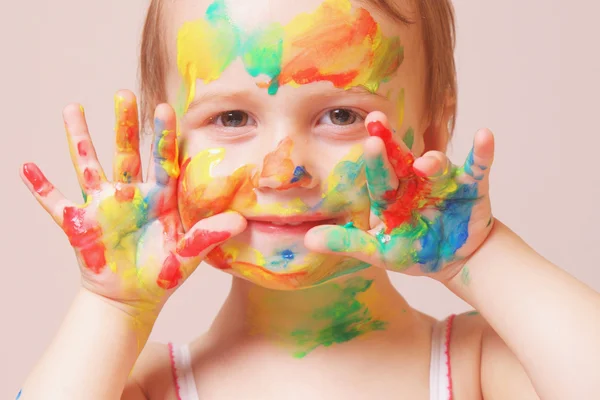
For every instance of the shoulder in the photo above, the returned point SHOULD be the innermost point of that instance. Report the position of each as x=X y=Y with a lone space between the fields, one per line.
x=465 y=354
x=153 y=373
x=483 y=366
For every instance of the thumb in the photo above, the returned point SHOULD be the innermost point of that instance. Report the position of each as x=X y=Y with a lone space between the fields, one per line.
x=204 y=236
x=209 y=233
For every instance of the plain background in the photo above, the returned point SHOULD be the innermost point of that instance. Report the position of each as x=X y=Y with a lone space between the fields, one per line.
x=529 y=70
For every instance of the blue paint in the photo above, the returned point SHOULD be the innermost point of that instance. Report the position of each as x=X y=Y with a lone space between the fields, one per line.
x=19 y=395
x=449 y=231
x=469 y=166
x=299 y=173
x=287 y=255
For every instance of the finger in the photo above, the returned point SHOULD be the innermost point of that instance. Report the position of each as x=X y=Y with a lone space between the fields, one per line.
x=347 y=240
x=165 y=154
x=399 y=156
x=127 y=160
x=45 y=193
x=196 y=244
x=83 y=155
x=433 y=165
x=381 y=178
x=480 y=159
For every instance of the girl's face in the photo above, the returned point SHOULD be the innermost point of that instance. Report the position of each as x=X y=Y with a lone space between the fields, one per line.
x=272 y=96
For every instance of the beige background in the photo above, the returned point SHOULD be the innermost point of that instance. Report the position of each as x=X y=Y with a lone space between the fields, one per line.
x=529 y=70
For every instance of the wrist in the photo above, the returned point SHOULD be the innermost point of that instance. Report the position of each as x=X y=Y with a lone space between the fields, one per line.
x=494 y=242
x=139 y=318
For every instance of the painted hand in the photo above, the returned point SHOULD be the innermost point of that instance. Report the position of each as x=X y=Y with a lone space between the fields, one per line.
x=128 y=235
x=430 y=214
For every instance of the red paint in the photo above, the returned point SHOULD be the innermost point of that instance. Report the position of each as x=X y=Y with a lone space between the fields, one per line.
x=85 y=237
x=401 y=160
x=414 y=189
x=40 y=184
x=219 y=259
x=92 y=180
x=200 y=241
x=170 y=274
x=84 y=148
x=168 y=146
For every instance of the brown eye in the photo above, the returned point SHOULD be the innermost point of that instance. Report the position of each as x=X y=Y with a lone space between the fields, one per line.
x=232 y=119
x=340 y=116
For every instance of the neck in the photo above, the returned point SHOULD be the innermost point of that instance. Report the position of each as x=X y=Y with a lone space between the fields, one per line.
x=350 y=307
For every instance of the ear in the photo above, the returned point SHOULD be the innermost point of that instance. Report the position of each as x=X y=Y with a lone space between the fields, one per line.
x=438 y=133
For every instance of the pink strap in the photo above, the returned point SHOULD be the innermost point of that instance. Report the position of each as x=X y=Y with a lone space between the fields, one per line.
x=174 y=371
x=447 y=350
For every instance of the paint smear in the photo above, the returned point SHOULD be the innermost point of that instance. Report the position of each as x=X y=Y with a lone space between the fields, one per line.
x=127 y=159
x=346 y=318
x=202 y=194
x=334 y=43
x=438 y=237
x=40 y=184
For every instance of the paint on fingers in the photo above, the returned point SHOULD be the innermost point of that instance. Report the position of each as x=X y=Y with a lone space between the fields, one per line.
x=127 y=162
x=199 y=241
x=36 y=178
x=401 y=160
x=165 y=152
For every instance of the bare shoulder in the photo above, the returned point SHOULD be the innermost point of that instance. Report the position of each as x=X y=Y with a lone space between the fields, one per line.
x=465 y=354
x=483 y=367
x=152 y=375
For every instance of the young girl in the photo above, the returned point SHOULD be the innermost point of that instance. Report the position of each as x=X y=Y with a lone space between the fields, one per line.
x=312 y=138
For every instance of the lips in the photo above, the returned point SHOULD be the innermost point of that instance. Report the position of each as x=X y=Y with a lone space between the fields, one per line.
x=288 y=225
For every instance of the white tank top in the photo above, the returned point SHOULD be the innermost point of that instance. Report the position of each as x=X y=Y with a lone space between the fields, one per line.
x=440 y=379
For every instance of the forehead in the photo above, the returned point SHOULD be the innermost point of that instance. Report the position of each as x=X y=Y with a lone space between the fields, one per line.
x=254 y=15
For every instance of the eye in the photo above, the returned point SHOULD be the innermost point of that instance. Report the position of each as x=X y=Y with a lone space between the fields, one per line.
x=233 y=119
x=340 y=116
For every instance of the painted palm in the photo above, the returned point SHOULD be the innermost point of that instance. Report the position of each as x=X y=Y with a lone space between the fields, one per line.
x=128 y=235
x=430 y=214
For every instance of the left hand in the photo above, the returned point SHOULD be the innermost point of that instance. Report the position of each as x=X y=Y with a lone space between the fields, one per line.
x=431 y=214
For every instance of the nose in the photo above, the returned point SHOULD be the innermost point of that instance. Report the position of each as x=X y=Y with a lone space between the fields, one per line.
x=284 y=168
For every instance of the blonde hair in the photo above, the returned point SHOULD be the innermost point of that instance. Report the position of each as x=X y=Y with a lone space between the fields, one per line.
x=437 y=30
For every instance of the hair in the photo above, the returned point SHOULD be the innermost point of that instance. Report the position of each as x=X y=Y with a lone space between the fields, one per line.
x=438 y=33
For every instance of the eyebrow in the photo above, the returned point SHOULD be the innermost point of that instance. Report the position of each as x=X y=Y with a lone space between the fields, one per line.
x=212 y=95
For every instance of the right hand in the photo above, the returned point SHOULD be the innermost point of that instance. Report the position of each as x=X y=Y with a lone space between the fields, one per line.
x=128 y=236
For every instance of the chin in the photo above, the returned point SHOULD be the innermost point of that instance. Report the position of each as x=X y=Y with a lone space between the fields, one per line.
x=280 y=265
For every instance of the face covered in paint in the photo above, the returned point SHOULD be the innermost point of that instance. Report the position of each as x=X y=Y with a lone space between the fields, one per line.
x=272 y=97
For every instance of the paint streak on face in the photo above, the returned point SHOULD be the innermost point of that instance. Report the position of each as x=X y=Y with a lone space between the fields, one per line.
x=201 y=194
x=334 y=43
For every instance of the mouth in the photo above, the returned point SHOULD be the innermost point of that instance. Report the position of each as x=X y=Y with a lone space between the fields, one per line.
x=288 y=225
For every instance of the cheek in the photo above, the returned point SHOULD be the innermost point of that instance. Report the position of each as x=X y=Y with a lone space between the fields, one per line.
x=203 y=192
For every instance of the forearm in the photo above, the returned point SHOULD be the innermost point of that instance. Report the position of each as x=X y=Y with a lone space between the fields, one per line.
x=92 y=354
x=549 y=319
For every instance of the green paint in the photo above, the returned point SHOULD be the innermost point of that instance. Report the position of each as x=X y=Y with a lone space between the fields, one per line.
x=473 y=313
x=85 y=196
x=409 y=138
x=489 y=222
x=465 y=276
x=344 y=319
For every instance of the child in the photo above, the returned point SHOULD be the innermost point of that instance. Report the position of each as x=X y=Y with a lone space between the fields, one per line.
x=312 y=139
